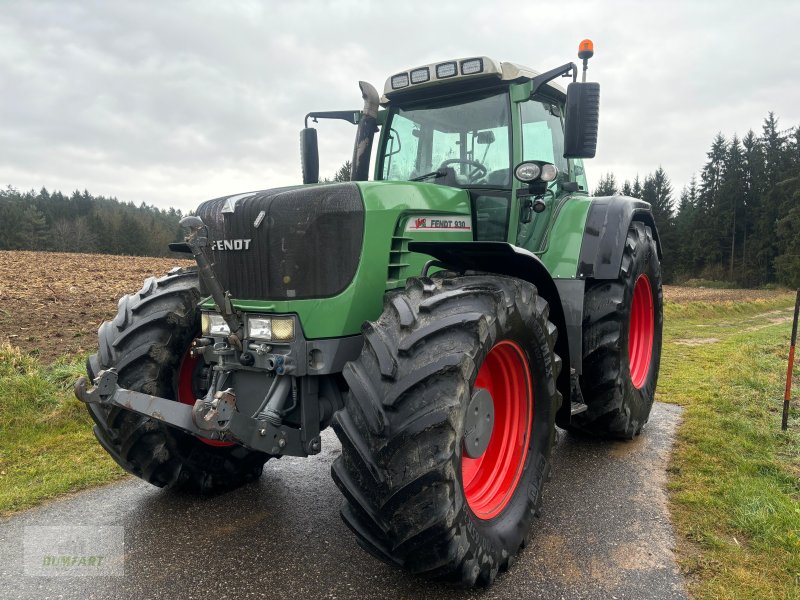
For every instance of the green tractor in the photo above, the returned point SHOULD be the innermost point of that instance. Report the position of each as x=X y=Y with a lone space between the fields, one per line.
x=443 y=317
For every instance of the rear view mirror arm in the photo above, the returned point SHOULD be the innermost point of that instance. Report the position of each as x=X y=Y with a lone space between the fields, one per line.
x=351 y=116
x=563 y=71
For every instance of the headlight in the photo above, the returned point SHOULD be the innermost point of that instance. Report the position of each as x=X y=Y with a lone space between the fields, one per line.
x=527 y=171
x=532 y=171
x=471 y=66
x=214 y=324
x=447 y=69
x=420 y=75
x=549 y=172
x=270 y=329
x=400 y=81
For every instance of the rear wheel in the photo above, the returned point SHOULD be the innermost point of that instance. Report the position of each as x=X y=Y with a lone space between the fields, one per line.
x=147 y=343
x=622 y=329
x=448 y=426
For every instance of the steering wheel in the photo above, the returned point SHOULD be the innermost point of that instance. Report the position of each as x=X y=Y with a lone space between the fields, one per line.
x=478 y=170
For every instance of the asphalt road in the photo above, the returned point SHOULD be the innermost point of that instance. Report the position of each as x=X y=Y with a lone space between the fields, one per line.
x=604 y=533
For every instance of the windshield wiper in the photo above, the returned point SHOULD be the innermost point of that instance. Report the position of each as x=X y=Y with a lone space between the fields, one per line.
x=437 y=173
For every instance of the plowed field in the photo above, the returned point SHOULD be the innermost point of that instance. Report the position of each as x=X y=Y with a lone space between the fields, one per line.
x=52 y=303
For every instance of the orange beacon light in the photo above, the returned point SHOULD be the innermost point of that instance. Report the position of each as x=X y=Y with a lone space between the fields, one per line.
x=585 y=52
x=585 y=49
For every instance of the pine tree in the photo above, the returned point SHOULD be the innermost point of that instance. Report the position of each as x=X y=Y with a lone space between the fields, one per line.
x=787 y=260
x=688 y=251
x=607 y=186
x=24 y=226
x=753 y=182
x=661 y=199
x=708 y=226
x=765 y=243
x=657 y=191
x=773 y=145
x=636 y=190
x=732 y=197
x=343 y=174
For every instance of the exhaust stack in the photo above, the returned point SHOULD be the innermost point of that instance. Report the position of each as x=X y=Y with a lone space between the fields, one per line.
x=367 y=126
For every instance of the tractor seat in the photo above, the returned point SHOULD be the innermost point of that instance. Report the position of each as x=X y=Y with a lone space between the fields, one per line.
x=498 y=177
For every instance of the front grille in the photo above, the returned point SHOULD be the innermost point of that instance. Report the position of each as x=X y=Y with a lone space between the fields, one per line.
x=307 y=243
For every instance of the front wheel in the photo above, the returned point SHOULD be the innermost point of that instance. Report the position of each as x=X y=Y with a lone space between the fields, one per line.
x=448 y=426
x=148 y=343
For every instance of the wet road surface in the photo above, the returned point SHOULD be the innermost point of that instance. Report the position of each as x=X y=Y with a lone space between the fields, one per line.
x=604 y=533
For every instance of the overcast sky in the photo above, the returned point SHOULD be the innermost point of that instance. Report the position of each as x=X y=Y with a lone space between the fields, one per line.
x=172 y=103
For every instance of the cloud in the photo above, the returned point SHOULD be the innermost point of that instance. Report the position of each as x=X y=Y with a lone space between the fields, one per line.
x=170 y=103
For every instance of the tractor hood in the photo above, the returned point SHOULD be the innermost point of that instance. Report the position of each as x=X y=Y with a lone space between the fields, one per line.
x=286 y=243
x=328 y=252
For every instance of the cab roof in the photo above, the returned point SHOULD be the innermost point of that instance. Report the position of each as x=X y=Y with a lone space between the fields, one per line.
x=477 y=68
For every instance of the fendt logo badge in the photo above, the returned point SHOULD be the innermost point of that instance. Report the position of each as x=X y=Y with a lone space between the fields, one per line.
x=439 y=223
x=230 y=244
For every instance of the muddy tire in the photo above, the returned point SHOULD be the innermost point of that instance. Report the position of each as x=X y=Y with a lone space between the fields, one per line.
x=413 y=495
x=622 y=327
x=147 y=343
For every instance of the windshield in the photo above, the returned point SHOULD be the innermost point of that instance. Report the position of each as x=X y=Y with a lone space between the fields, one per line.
x=465 y=142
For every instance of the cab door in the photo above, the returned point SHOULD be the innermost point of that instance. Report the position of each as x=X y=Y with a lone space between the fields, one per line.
x=541 y=127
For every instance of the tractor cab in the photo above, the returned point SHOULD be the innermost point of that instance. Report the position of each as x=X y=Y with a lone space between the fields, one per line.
x=468 y=123
x=498 y=130
x=462 y=131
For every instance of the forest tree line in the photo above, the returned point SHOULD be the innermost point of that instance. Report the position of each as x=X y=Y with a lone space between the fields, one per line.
x=81 y=222
x=739 y=220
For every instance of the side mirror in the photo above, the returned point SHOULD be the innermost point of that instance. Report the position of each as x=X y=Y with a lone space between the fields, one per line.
x=309 y=155
x=582 y=118
x=485 y=137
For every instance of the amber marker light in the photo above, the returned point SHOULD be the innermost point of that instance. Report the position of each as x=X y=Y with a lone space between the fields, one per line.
x=585 y=52
x=586 y=49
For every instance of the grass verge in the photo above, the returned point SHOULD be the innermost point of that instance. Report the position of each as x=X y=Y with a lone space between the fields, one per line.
x=47 y=446
x=734 y=476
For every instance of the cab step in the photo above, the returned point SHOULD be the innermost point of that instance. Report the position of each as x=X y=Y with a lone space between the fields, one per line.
x=577 y=408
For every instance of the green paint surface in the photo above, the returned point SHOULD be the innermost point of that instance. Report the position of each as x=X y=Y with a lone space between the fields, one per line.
x=385 y=260
x=562 y=245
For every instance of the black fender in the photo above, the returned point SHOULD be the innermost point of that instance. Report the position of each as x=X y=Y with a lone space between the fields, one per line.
x=605 y=232
x=565 y=297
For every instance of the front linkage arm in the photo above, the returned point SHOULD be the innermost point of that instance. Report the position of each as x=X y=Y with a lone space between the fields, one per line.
x=223 y=422
x=197 y=241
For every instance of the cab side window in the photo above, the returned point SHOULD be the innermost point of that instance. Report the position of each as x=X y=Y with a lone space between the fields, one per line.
x=400 y=160
x=579 y=174
x=543 y=133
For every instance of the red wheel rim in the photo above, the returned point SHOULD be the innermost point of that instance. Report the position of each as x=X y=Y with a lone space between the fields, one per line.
x=490 y=480
x=640 y=333
x=186 y=391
